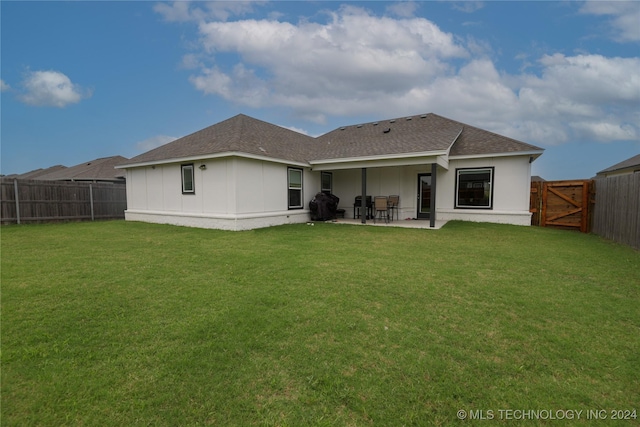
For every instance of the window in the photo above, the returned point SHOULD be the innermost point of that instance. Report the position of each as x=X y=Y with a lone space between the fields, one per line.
x=327 y=183
x=187 y=179
x=474 y=188
x=295 y=188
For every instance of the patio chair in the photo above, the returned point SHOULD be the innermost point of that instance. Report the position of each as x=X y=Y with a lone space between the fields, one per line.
x=380 y=204
x=394 y=202
x=358 y=203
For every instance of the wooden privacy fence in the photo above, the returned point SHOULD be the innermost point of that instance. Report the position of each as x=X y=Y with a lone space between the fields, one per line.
x=24 y=201
x=616 y=214
x=562 y=204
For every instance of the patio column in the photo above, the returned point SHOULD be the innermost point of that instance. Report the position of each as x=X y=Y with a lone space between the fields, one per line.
x=432 y=206
x=363 y=202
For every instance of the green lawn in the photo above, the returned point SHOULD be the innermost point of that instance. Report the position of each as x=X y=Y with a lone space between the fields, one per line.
x=122 y=323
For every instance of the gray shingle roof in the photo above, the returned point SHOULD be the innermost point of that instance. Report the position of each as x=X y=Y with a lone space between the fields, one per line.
x=477 y=141
x=102 y=169
x=629 y=163
x=35 y=174
x=416 y=134
x=407 y=135
x=238 y=134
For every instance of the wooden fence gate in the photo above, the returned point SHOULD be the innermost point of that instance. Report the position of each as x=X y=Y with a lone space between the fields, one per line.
x=564 y=204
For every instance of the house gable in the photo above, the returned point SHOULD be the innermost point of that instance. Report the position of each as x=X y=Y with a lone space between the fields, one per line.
x=241 y=166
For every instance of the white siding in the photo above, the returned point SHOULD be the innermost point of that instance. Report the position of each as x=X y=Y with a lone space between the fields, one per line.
x=216 y=187
x=230 y=193
x=238 y=193
x=511 y=186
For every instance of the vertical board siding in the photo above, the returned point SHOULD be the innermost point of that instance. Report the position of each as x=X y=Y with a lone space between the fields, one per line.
x=50 y=201
x=616 y=214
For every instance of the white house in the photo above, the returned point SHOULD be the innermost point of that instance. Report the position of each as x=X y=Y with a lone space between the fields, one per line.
x=244 y=173
x=626 y=167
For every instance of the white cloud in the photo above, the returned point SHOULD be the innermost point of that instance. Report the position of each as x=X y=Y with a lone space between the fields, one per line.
x=191 y=61
x=51 y=89
x=359 y=64
x=185 y=11
x=4 y=86
x=355 y=56
x=625 y=17
x=468 y=6
x=154 y=142
x=404 y=9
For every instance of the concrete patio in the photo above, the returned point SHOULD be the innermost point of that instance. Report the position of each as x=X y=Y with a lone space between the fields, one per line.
x=405 y=223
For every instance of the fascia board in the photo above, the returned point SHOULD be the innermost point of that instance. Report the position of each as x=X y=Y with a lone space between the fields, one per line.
x=403 y=159
x=454 y=141
x=535 y=154
x=210 y=157
x=443 y=161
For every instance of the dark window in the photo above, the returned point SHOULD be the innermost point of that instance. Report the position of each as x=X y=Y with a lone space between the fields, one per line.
x=327 y=183
x=188 y=186
x=474 y=188
x=295 y=188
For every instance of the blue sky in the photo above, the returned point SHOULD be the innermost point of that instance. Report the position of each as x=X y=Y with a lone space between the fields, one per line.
x=83 y=80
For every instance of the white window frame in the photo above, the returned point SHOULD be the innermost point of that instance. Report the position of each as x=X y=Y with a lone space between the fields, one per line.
x=491 y=171
x=188 y=169
x=291 y=188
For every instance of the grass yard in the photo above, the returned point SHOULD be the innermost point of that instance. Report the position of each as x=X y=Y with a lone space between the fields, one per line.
x=122 y=323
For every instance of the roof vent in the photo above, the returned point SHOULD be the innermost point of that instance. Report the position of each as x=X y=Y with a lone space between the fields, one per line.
x=387 y=130
x=359 y=126
x=375 y=124
x=424 y=116
x=409 y=118
x=342 y=128
x=392 y=121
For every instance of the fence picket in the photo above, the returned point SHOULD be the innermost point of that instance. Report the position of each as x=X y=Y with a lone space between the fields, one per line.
x=616 y=213
x=26 y=201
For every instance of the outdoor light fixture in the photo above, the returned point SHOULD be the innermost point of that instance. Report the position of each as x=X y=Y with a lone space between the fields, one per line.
x=202 y=167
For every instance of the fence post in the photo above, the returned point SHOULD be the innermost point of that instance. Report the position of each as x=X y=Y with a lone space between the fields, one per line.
x=15 y=189
x=91 y=199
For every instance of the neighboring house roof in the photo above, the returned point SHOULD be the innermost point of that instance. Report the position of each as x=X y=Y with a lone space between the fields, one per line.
x=35 y=174
x=102 y=169
x=536 y=178
x=426 y=134
x=239 y=134
x=632 y=164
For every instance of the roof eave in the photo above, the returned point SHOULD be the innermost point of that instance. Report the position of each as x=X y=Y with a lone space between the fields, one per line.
x=532 y=153
x=210 y=157
x=400 y=159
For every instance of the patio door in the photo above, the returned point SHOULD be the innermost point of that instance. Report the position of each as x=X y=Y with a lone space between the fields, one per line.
x=424 y=196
